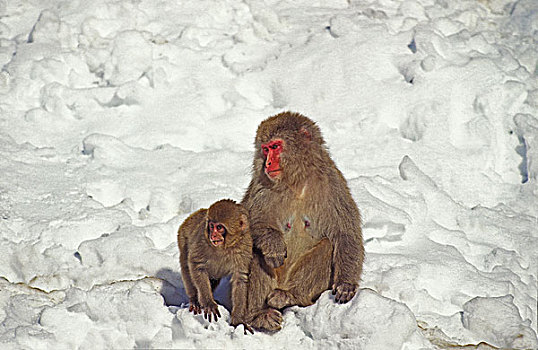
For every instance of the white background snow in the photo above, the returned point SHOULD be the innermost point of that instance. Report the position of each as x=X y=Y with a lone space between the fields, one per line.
x=119 y=118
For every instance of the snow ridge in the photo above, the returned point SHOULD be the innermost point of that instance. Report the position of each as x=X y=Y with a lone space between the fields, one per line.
x=120 y=118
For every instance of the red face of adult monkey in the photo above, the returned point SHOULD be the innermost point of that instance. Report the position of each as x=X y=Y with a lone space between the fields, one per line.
x=305 y=225
x=288 y=149
x=272 y=151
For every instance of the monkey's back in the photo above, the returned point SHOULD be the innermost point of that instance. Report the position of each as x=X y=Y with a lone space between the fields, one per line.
x=189 y=228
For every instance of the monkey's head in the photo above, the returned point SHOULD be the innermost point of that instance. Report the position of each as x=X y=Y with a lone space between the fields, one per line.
x=287 y=145
x=227 y=222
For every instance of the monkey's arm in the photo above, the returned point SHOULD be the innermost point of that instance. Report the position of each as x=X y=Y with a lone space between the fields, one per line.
x=190 y=289
x=266 y=238
x=190 y=227
x=347 y=267
x=200 y=279
x=270 y=241
x=348 y=253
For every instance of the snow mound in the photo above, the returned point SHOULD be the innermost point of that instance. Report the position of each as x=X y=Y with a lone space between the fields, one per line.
x=120 y=118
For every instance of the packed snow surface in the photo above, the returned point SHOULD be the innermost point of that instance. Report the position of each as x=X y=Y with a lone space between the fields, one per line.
x=118 y=118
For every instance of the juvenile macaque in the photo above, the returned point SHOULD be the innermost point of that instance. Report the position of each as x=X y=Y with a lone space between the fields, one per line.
x=214 y=243
x=305 y=226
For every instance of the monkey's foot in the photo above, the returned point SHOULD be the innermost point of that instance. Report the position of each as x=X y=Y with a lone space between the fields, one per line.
x=246 y=327
x=344 y=292
x=279 y=299
x=237 y=320
x=268 y=320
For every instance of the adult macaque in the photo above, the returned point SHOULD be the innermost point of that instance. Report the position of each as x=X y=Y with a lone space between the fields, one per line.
x=214 y=243
x=305 y=226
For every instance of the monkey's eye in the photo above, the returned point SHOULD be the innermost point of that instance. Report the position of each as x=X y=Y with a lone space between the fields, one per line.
x=265 y=150
x=220 y=227
x=275 y=146
x=211 y=226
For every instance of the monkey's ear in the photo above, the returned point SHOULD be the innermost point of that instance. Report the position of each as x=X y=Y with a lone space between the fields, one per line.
x=305 y=133
x=243 y=222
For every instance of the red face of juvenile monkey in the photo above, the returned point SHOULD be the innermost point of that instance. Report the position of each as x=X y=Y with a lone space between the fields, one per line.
x=226 y=224
x=216 y=232
x=271 y=151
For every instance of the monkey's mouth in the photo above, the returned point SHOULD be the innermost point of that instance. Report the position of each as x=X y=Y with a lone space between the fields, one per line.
x=273 y=173
x=217 y=242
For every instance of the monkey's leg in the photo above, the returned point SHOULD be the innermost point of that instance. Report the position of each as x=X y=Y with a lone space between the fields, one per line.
x=239 y=299
x=260 y=284
x=307 y=279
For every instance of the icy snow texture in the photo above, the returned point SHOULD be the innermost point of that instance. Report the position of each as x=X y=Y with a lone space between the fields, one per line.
x=119 y=118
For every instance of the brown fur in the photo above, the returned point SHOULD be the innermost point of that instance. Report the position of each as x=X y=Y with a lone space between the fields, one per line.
x=294 y=265
x=203 y=265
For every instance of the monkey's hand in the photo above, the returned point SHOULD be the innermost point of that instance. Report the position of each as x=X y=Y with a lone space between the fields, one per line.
x=211 y=308
x=344 y=291
x=272 y=245
x=194 y=306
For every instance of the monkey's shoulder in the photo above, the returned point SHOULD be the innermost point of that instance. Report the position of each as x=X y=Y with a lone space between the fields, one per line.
x=193 y=221
x=265 y=199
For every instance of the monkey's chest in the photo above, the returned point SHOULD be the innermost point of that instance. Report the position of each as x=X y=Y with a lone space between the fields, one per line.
x=220 y=266
x=300 y=234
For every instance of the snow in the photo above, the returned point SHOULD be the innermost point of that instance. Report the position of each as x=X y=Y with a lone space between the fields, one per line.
x=120 y=118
